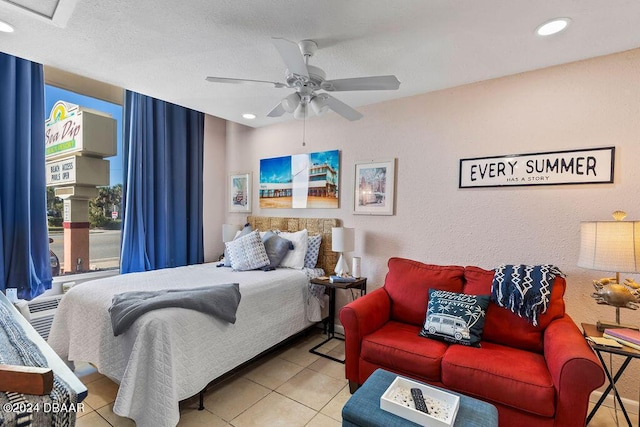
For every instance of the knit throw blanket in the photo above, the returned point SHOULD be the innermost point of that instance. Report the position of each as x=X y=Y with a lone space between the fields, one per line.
x=55 y=409
x=524 y=289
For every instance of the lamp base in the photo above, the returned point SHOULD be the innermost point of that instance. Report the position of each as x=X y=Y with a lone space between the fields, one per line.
x=342 y=269
x=609 y=324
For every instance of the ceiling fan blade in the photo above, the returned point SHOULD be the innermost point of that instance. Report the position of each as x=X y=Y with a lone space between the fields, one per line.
x=243 y=81
x=341 y=108
x=290 y=53
x=362 y=83
x=277 y=111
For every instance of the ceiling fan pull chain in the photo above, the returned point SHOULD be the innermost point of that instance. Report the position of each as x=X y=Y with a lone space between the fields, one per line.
x=304 y=128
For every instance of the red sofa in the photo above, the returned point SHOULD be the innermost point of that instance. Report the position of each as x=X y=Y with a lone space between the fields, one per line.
x=535 y=375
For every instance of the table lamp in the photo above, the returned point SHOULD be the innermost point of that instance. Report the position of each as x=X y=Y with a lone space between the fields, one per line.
x=342 y=240
x=612 y=246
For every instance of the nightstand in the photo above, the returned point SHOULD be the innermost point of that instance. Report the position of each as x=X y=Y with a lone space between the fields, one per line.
x=360 y=284
x=628 y=352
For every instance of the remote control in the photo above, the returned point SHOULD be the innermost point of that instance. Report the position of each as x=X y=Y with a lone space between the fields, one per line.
x=418 y=400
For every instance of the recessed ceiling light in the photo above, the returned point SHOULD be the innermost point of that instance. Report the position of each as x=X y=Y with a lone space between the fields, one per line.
x=5 y=28
x=249 y=116
x=552 y=27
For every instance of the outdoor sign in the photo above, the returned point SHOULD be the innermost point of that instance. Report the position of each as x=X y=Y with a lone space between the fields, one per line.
x=71 y=129
x=77 y=170
x=584 y=166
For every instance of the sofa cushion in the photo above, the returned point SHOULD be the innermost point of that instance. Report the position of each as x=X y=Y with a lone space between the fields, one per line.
x=398 y=347
x=504 y=327
x=499 y=374
x=454 y=317
x=408 y=283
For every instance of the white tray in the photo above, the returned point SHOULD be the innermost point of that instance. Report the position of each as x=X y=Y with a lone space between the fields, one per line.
x=402 y=386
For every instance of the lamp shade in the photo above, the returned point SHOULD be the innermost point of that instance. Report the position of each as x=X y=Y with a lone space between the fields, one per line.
x=610 y=246
x=300 y=112
x=229 y=231
x=319 y=105
x=291 y=102
x=342 y=239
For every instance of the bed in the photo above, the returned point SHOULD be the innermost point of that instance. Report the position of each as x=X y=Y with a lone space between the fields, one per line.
x=171 y=354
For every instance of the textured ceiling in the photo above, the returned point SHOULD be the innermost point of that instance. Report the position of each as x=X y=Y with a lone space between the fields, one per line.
x=166 y=48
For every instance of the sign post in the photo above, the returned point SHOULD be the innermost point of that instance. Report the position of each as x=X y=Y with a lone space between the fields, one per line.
x=76 y=141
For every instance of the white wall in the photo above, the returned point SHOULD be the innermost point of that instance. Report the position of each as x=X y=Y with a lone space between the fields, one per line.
x=593 y=103
x=214 y=181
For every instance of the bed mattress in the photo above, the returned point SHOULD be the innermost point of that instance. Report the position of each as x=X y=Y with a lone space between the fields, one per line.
x=171 y=354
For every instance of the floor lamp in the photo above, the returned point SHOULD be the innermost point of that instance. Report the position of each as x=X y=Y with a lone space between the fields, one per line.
x=611 y=246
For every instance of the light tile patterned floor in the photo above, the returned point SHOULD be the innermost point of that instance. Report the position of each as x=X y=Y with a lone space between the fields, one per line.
x=290 y=387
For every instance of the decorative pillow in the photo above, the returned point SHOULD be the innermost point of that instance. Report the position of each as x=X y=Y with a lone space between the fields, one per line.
x=276 y=247
x=295 y=258
x=520 y=333
x=246 y=230
x=455 y=318
x=313 y=250
x=247 y=252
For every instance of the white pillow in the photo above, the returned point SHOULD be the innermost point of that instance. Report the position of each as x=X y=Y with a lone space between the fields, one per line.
x=247 y=252
x=295 y=258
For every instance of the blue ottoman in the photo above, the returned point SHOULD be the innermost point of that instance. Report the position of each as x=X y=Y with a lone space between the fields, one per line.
x=363 y=408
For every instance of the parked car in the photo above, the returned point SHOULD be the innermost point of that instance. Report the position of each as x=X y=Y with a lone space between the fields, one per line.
x=54 y=261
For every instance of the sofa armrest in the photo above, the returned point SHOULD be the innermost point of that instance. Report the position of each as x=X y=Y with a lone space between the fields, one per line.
x=574 y=368
x=360 y=318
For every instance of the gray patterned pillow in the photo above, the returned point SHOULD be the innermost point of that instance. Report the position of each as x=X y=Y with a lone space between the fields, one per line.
x=246 y=230
x=313 y=250
x=247 y=252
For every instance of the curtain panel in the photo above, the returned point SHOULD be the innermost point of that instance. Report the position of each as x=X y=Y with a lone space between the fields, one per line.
x=162 y=203
x=24 y=241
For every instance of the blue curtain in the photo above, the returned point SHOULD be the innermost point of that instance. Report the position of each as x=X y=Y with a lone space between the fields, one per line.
x=162 y=153
x=24 y=241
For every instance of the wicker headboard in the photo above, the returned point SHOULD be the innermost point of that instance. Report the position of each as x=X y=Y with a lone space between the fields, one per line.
x=327 y=259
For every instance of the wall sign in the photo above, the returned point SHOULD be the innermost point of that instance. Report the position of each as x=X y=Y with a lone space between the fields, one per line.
x=586 y=166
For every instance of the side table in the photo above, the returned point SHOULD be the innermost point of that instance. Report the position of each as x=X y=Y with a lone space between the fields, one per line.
x=360 y=283
x=629 y=353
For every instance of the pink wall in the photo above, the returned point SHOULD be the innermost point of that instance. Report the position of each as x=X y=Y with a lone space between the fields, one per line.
x=592 y=103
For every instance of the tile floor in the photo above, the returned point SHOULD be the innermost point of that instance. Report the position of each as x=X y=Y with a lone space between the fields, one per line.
x=290 y=387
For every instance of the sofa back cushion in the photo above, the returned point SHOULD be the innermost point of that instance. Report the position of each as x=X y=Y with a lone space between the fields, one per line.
x=408 y=283
x=501 y=326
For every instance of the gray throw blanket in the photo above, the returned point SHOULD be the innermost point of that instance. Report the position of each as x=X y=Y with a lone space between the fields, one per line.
x=524 y=289
x=220 y=301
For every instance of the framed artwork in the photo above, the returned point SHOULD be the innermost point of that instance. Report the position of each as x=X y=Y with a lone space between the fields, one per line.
x=300 y=181
x=240 y=192
x=374 y=187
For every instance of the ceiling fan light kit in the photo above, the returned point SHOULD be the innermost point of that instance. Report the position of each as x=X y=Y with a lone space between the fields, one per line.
x=307 y=80
x=291 y=102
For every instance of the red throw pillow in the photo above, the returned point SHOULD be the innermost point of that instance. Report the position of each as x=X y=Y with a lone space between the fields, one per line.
x=408 y=283
x=501 y=326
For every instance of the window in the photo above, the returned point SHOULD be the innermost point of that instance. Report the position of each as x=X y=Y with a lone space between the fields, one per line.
x=105 y=210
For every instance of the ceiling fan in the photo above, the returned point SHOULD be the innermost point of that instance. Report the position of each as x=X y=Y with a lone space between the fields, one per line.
x=308 y=80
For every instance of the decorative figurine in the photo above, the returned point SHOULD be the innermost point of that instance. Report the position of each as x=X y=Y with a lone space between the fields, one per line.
x=609 y=292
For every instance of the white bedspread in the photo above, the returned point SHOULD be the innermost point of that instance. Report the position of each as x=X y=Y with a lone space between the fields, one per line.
x=171 y=354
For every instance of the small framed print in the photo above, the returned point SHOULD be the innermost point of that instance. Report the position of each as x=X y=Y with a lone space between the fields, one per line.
x=240 y=192
x=374 y=187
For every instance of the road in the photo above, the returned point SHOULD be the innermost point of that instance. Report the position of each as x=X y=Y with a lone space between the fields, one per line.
x=104 y=246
